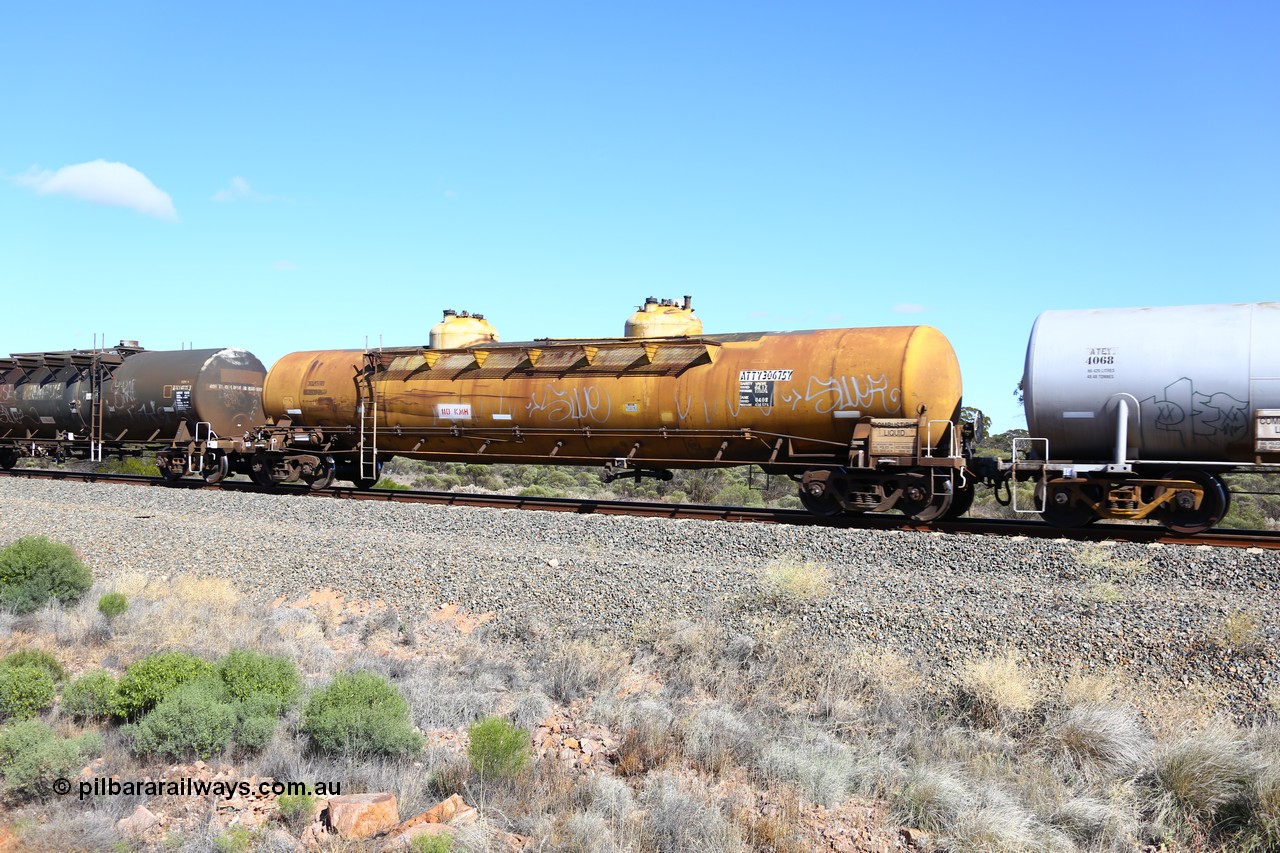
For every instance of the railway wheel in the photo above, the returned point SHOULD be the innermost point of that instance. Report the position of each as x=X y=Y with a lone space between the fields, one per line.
x=823 y=504
x=918 y=505
x=1060 y=511
x=216 y=466
x=323 y=478
x=8 y=458
x=1180 y=514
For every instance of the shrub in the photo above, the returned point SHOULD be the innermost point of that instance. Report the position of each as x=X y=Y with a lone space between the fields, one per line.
x=442 y=843
x=91 y=696
x=146 y=682
x=297 y=810
x=717 y=738
x=32 y=756
x=113 y=604
x=497 y=748
x=34 y=570
x=191 y=719
x=24 y=691
x=256 y=721
x=35 y=657
x=360 y=713
x=249 y=674
x=236 y=839
x=680 y=818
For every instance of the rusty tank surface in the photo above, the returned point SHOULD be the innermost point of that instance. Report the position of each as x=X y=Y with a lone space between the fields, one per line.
x=82 y=403
x=864 y=418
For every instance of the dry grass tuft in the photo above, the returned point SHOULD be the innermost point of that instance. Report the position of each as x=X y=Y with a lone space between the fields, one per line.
x=1100 y=560
x=997 y=691
x=65 y=830
x=822 y=769
x=1101 y=742
x=789 y=581
x=646 y=738
x=200 y=614
x=1094 y=822
x=683 y=817
x=1241 y=632
x=932 y=800
x=717 y=739
x=1200 y=776
x=1086 y=688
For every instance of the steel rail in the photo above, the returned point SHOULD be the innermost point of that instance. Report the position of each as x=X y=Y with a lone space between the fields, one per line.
x=1010 y=527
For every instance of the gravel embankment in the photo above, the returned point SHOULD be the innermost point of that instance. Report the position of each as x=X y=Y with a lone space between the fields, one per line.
x=937 y=598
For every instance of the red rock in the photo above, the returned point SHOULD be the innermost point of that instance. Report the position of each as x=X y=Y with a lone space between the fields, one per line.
x=356 y=816
x=137 y=823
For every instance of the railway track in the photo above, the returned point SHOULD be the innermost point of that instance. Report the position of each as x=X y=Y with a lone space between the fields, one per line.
x=1142 y=533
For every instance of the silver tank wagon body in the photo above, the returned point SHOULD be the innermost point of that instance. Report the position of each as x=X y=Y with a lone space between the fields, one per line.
x=1193 y=379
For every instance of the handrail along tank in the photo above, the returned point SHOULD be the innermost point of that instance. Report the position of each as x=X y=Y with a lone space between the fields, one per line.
x=829 y=400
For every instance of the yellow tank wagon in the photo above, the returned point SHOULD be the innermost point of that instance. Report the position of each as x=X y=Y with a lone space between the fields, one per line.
x=863 y=419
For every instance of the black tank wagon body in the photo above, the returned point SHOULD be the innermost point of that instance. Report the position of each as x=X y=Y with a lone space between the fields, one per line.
x=124 y=399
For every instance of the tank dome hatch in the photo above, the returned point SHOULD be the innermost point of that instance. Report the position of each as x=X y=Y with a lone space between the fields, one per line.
x=665 y=318
x=457 y=330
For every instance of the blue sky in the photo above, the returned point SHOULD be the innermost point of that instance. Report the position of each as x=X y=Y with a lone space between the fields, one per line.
x=286 y=176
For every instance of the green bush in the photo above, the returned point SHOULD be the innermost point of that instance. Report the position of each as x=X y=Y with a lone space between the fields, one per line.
x=296 y=810
x=146 y=682
x=249 y=674
x=24 y=691
x=113 y=604
x=192 y=719
x=34 y=570
x=497 y=748
x=32 y=756
x=237 y=839
x=442 y=843
x=360 y=713
x=256 y=722
x=92 y=696
x=136 y=465
x=35 y=657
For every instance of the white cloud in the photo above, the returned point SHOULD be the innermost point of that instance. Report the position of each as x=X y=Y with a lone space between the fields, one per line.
x=239 y=190
x=101 y=182
x=285 y=266
x=909 y=308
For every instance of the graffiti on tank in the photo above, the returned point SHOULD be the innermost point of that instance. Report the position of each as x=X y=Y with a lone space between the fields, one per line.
x=122 y=394
x=846 y=392
x=571 y=404
x=1182 y=409
x=6 y=393
x=48 y=391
